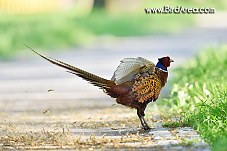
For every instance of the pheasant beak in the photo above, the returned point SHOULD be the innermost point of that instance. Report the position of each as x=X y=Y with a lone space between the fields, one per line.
x=171 y=60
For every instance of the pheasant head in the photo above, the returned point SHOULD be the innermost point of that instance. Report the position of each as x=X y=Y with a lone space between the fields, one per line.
x=163 y=63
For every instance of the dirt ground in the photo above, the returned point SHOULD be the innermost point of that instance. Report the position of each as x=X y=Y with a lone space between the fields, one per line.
x=65 y=125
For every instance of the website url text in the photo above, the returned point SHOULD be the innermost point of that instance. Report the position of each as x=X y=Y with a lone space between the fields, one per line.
x=179 y=10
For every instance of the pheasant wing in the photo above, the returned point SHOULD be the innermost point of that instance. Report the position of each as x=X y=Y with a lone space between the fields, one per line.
x=147 y=88
x=129 y=67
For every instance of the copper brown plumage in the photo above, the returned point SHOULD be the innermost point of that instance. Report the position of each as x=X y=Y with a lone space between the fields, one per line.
x=135 y=83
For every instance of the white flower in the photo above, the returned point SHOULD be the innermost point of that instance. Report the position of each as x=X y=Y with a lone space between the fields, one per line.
x=190 y=86
x=182 y=96
x=205 y=91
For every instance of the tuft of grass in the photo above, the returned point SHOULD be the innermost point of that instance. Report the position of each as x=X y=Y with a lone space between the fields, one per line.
x=174 y=124
x=186 y=142
x=199 y=95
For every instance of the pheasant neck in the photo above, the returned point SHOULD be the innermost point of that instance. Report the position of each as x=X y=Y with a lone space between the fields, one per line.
x=161 y=66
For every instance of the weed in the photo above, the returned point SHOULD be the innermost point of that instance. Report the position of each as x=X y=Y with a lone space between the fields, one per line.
x=174 y=124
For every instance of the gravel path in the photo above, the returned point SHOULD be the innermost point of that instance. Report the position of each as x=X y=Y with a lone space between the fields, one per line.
x=43 y=107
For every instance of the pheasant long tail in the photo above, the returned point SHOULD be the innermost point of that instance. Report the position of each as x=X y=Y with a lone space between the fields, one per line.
x=91 y=78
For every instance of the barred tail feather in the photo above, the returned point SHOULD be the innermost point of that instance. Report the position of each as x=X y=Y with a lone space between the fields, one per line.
x=91 y=78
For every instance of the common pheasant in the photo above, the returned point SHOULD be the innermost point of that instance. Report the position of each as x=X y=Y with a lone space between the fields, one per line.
x=135 y=83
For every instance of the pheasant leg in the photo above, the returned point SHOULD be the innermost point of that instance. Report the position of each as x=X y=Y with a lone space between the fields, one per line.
x=142 y=120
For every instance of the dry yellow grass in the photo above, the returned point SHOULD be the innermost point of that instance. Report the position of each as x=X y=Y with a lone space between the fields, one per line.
x=57 y=139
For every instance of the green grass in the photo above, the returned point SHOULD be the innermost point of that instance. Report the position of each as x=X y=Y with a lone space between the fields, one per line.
x=199 y=96
x=67 y=29
x=174 y=124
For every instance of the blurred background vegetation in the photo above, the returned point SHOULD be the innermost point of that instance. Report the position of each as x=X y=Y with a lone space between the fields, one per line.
x=68 y=23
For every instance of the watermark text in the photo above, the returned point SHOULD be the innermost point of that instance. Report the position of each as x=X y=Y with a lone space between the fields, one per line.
x=180 y=10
